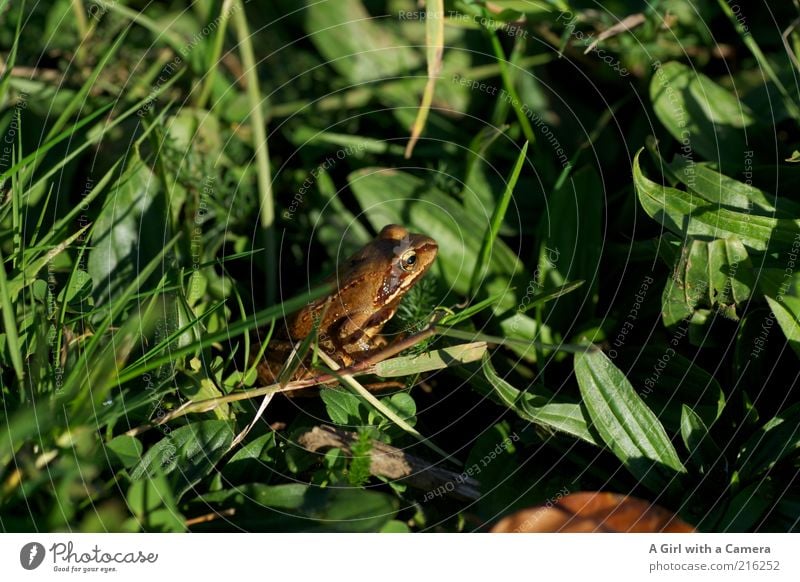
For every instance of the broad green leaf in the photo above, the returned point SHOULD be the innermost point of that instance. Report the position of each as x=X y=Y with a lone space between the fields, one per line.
x=689 y=215
x=567 y=417
x=357 y=46
x=395 y=526
x=287 y=496
x=187 y=454
x=431 y=360
x=572 y=246
x=625 y=423
x=702 y=448
x=777 y=439
x=716 y=274
x=343 y=407
x=738 y=268
x=788 y=320
x=729 y=192
x=403 y=405
x=349 y=510
x=255 y=460
x=152 y=501
x=702 y=116
x=126 y=449
x=119 y=251
x=676 y=304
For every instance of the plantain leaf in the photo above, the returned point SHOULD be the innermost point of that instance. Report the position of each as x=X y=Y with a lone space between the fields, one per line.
x=567 y=417
x=689 y=215
x=627 y=426
x=725 y=191
x=699 y=114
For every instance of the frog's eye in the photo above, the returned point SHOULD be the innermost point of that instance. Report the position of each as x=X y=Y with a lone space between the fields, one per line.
x=408 y=260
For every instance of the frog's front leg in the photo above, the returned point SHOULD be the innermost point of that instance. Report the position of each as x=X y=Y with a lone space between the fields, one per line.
x=360 y=336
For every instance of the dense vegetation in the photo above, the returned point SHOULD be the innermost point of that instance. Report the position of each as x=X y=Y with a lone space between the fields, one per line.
x=613 y=189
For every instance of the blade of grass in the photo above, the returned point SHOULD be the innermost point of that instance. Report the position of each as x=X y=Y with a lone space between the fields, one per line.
x=79 y=99
x=494 y=226
x=213 y=61
x=763 y=63
x=434 y=39
x=10 y=324
x=551 y=294
x=68 y=219
x=454 y=318
x=74 y=380
x=53 y=142
x=258 y=319
x=261 y=147
x=12 y=58
x=29 y=271
x=159 y=29
x=16 y=197
x=508 y=82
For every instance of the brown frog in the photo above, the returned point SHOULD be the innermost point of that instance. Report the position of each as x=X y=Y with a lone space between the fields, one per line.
x=369 y=287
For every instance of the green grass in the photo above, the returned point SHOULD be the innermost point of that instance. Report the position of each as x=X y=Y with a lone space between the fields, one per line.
x=616 y=286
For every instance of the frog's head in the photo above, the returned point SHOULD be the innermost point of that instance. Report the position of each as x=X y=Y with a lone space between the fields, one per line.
x=405 y=257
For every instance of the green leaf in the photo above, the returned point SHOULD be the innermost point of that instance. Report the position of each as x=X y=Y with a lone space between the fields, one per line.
x=403 y=405
x=702 y=449
x=188 y=454
x=12 y=343
x=719 y=189
x=357 y=46
x=395 y=526
x=714 y=274
x=119 y=251
x=343 y=407
x=432 y=360
x=777 y=439
x=434 y=39
x=567 y=417
x=625 y=423
x=700 y=115
x=152 y=501
x=688 y=215
x=483 y=259
x=126 y=449
x=572 y=247
x=788 y=320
